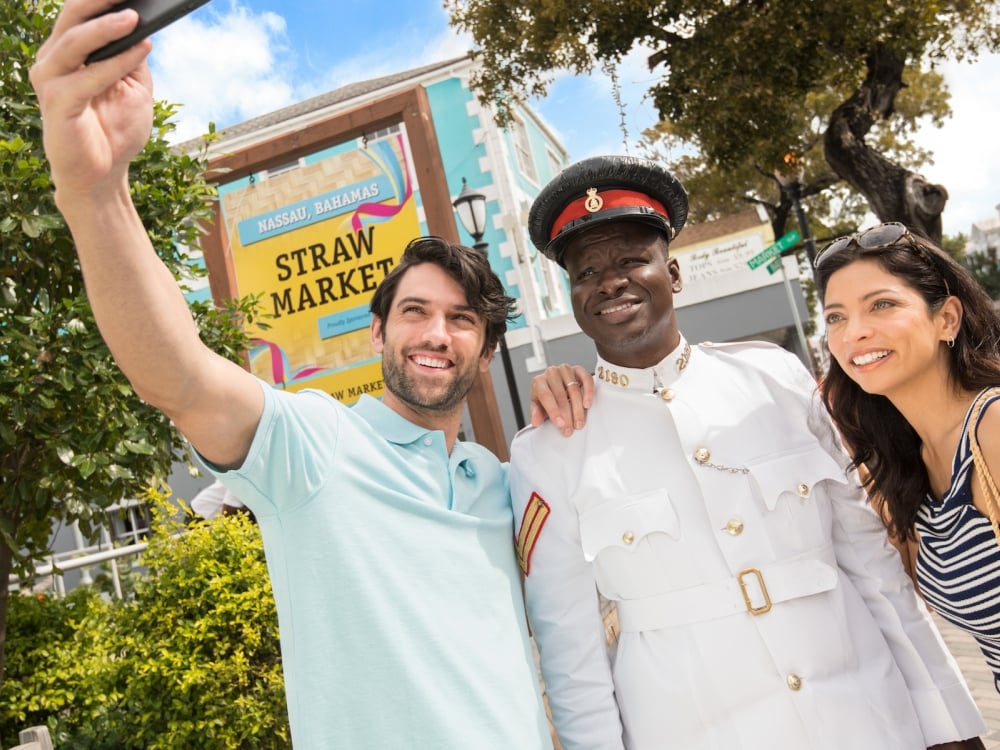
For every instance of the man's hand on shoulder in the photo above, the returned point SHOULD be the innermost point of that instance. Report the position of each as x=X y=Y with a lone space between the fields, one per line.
x=562 y=394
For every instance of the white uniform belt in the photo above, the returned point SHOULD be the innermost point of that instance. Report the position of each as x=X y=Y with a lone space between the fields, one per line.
x=752 y=591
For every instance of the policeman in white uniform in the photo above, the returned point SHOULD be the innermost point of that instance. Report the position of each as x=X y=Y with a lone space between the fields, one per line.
x=760 y=604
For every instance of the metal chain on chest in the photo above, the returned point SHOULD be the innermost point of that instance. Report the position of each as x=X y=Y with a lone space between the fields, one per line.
x=726 y=469
x=702 y=456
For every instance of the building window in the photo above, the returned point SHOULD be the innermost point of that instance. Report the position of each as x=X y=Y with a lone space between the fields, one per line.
x=555 y=164
x=381 y=134
x=271 y=172
x=522 y=148
x=130 y=522
x=553 y=300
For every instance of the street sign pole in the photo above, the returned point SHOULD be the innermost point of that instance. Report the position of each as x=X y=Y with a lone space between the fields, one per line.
x=771 y=255
x=795 y=316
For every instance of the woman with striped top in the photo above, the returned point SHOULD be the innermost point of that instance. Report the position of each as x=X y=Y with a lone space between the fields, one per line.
x=912 y=385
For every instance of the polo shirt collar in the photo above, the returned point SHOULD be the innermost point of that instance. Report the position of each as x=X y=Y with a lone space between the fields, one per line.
x=401 y=431
x=387 y=423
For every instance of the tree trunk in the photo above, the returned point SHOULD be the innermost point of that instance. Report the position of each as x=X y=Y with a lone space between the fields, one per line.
x=6 y=560
x=893 y=193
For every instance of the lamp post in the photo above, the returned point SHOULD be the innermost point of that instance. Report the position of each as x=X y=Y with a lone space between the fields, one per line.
x=470 y=207
x=791 y=187
x=794 y=191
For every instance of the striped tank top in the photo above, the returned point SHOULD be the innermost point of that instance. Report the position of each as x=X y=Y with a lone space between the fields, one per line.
x=958 y=563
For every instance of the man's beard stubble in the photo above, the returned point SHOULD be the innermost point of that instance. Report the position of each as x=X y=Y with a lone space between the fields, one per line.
x=407 y=390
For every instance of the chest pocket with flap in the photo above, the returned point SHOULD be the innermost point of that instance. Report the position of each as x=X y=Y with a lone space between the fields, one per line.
x=625 y=522
x=794 y=474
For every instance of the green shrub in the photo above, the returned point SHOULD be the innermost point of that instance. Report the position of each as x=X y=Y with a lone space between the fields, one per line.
x=42 y=679
x=191 y=662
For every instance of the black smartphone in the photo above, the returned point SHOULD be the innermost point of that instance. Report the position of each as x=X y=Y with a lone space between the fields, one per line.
x=153 y=16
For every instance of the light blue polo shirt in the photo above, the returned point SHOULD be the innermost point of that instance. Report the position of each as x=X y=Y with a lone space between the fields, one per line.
x=393 y=569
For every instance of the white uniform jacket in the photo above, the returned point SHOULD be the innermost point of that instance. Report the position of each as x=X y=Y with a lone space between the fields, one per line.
x=760 y=603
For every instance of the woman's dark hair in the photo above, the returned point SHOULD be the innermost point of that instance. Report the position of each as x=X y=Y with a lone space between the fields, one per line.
x=878 y=436
x=469 y=268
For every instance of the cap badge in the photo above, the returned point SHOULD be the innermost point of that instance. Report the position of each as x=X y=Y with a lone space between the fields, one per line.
x=594 y=202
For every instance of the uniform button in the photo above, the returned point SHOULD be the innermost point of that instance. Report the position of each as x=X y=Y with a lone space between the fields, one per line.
x=667 y=394
x=428 y=440
x=702 y=455
x=628 y=537
x=803 y=489
x=734 y=527
x=707 y=343
x=794 y=682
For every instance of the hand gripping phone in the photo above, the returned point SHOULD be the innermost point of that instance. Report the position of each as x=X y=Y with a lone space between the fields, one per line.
x=153 y=16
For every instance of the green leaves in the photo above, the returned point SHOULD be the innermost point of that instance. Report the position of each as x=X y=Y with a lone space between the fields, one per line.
x=73 y=434
x=985 y=267
x=191 y=659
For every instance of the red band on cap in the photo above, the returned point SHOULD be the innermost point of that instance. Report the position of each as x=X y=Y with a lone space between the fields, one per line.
x=612 y=199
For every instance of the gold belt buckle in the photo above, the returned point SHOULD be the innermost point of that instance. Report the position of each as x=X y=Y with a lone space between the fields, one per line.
x=766 y=607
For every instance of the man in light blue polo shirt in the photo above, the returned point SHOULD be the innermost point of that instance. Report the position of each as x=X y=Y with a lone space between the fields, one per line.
x=389 y=544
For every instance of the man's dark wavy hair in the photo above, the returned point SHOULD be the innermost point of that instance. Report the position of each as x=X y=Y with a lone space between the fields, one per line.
x=877 y=435
x=484 y=291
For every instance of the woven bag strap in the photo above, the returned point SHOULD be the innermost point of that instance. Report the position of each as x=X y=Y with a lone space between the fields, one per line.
x=991 y=496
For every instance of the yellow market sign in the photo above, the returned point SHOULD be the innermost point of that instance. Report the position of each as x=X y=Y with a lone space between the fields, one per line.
x=314 y=241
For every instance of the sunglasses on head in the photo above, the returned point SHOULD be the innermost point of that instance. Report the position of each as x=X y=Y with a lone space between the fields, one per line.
x=880 y=237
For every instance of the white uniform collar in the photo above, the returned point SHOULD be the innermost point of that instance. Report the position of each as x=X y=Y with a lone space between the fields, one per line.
x=648 y=379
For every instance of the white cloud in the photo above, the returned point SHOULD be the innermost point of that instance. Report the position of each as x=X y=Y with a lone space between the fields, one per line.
x=966 y=149
x=222 y=68
x=233 y=64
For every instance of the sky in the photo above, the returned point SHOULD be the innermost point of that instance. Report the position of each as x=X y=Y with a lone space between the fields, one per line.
x=231 y=60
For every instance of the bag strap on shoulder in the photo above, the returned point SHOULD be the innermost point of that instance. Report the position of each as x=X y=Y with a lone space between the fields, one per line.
x=991 y=495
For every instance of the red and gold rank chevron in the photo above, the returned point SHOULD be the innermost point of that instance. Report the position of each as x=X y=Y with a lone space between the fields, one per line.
x=532 y=522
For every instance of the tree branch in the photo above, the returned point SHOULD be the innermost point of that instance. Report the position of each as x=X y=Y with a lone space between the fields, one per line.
x=893 y=192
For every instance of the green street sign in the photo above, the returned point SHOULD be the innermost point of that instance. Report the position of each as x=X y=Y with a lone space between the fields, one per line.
x=785 y=242
x=775 y=264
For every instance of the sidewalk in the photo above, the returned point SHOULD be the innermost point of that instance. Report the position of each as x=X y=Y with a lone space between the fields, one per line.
x=980 y=679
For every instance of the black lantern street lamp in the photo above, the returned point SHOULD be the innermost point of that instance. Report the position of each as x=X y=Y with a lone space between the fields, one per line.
x=471 y=209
